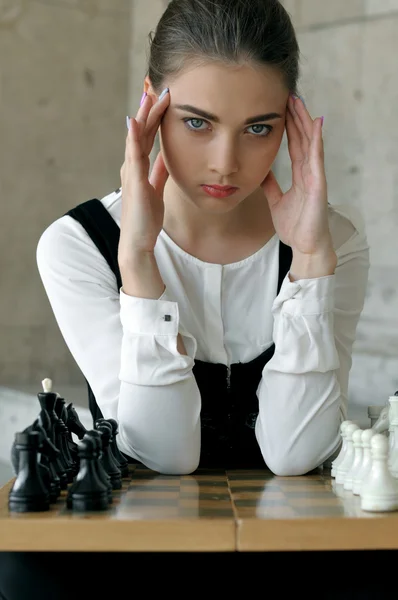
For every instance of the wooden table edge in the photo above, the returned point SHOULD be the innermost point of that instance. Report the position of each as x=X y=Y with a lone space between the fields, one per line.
x=350 y=533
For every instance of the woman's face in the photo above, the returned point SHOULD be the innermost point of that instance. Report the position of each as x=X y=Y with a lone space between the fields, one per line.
x=221 y=147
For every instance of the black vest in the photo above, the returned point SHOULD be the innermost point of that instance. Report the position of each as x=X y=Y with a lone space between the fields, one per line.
x=229 y=404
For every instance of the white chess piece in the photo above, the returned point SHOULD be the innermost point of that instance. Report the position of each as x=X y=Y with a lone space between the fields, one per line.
x=393 y=445
x=366 y=463
x=379 y=490
x=343 y=448
x=383 y=422
x=356 y=464
x=343 y=468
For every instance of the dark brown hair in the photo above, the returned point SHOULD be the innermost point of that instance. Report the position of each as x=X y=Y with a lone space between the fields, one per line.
x=234 y=32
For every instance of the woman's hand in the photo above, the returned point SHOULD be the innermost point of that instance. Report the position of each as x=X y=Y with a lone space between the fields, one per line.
x=142 y=196
x=300 y=216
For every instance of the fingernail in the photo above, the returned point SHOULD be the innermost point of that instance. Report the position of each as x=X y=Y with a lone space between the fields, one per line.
x=128 y=122
x=302 y=100
x=322 y=119
x=162 y=95
x=144 y=95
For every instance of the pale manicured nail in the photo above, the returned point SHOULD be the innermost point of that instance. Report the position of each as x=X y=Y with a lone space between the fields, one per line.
x=144 y=95
x=162 y=95
x=322 y=119
x=128 y=122
x=302 y=100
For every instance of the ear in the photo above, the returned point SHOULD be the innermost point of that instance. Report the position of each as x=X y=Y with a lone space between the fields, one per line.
x=148 y=86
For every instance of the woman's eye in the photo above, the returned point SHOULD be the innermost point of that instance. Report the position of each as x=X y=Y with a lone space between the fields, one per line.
x=194 y=125
x=267 y=129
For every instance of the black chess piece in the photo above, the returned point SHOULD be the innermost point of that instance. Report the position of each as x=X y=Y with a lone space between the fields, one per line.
x=118 y=456
x=108 y=460
x=48 y=454
x=28 y=492
x=88 y=493
x=63 y=438
x=73 y=422
x=103 y=475
x=49 y=419
x=69 y=439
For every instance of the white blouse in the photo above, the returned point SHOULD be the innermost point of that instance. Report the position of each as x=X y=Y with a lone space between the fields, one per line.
x=225 y=314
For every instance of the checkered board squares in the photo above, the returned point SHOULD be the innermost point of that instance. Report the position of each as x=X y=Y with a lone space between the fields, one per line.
x=151 y=495
x=261 y=495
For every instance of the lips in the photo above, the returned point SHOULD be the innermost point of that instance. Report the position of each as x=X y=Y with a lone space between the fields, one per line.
x=222 y=188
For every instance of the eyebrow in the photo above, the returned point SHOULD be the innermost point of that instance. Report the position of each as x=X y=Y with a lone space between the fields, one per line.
x=211 y=117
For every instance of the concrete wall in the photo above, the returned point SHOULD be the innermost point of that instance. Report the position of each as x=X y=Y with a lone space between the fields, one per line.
x=64 y=87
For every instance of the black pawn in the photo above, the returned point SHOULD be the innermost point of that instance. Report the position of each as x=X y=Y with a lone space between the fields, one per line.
x=87 y=492
x=28 y=493
x=118 y=456
x=108 y=460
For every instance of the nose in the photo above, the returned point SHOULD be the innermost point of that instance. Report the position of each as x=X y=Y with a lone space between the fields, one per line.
x=223 y=157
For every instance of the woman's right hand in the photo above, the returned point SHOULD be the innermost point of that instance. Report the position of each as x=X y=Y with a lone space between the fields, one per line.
x=142 y=196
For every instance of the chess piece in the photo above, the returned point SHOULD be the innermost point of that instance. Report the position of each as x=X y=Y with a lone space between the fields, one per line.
x=343 y=468
x=393 y=439
x=118 y=456
x=48 y=453
x=73 y=422
x=28 y=492
x=87 y=493
x=103 y=475
x=343 y=449
x=49 y=420
x=379 y=490
x=366 y=462
x=63 y=435
x=381 y=424
x=356 y=463
x=108 y=460
x=69 y=439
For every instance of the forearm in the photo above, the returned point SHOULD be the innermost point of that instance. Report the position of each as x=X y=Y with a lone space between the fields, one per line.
x=141 y=278
x=299 y=395
x=309 y=266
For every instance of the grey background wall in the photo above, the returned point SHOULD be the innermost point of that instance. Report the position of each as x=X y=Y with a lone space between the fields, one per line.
x=70 y=70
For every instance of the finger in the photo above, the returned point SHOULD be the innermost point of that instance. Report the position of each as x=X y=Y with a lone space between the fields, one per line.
x=304 y=118
x=143 y=113
x=293 y=139
x=157 y=114
x=135 y=159
x=159 y=174
x=305 y=141
x=317 y=151
x=272 y=189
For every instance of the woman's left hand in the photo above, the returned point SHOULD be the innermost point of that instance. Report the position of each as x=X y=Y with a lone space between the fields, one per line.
x=300 y=216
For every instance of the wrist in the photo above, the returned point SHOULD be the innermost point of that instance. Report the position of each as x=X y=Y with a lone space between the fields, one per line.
x=141 y=277
x=312 y=266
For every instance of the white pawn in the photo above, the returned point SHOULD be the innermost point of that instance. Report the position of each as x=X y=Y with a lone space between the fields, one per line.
x=356 y=464
x=343 y=448
x=366 y=463
x=345 y=465
x=379 y=490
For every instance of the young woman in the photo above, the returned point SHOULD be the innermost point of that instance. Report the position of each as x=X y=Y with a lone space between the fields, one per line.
x=216 y=327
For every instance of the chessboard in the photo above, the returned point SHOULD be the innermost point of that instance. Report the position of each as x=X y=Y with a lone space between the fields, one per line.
x=74 y=490
x=209 y=510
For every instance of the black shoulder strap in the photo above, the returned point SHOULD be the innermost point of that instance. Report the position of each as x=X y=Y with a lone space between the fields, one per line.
x=102 y=229
x=285 y=261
